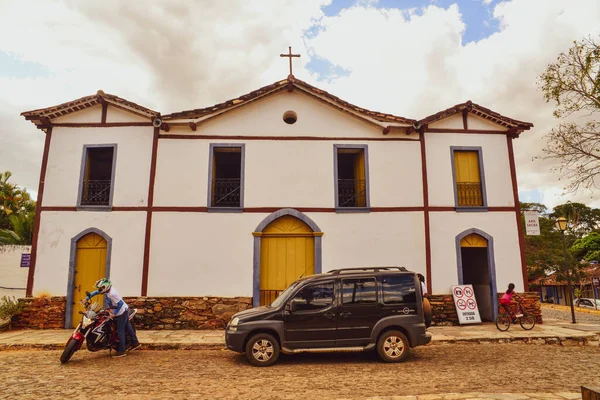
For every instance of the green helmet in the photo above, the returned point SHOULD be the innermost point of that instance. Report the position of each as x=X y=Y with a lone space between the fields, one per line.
x=103 y=285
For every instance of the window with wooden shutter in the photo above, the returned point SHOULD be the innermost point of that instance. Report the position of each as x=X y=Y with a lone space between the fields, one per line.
x=469 y=191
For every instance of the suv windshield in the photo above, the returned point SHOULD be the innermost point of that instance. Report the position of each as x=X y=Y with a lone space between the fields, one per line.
x=284 y=295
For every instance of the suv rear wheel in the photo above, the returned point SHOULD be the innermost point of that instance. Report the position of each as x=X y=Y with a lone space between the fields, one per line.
x=393 y=346
x=262 y=350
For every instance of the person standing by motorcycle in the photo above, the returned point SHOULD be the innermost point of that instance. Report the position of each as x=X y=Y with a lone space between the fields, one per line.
x=119 y=311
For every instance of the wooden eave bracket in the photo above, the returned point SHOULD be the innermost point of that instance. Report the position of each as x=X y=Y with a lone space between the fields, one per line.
x=193 y=126
x=165 y=127
x=387 y=130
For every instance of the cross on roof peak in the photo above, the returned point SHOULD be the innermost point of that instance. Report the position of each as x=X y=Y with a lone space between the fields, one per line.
x=290 y=55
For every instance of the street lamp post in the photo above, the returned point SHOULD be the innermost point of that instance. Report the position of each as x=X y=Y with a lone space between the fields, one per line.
x=561 y=225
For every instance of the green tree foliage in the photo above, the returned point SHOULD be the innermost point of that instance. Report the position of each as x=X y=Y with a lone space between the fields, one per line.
x=544 y=252
x=17 y=212
x=572 y=82
x=588 y=247
x=583 y=219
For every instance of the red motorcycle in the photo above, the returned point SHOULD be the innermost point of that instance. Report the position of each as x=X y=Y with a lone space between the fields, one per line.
x=97 y=329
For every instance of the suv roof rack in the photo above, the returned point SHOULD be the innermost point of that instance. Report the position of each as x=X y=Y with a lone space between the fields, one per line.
x=365 y=269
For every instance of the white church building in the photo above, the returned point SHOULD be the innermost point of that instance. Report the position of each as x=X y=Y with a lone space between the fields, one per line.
x=241 y=198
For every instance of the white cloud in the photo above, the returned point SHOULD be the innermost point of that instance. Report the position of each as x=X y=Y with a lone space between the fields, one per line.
x=179 y=55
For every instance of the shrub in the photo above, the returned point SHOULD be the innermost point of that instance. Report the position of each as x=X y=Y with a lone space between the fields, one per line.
x=9 y=307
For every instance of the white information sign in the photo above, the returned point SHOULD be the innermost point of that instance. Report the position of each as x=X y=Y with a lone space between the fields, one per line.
x=466 y=305
x=532 y=222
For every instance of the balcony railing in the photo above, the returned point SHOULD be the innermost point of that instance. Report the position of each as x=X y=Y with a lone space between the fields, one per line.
x=469 y=194
x=95 y=193
x=226 y=193
x=352 y=193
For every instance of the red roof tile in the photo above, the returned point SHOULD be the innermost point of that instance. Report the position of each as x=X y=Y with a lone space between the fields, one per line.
x=480 y=111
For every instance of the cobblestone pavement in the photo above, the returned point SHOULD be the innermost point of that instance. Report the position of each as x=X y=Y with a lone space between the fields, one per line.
x=564 y=314
x=221 y=374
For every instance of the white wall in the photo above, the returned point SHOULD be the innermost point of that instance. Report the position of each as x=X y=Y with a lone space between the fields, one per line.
x=265 y=118
x=90 y=115
x=132 y=173
x=114 y=114
x=202 y=254
x=445 y=226
x=12 y=275
x=57 y=228
x=495 y=165
x=288 y=173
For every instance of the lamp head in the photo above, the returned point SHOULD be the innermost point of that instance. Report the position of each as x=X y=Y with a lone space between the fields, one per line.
x=561 y=224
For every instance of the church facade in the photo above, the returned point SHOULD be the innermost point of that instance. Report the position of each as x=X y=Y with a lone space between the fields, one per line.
x=242 y=198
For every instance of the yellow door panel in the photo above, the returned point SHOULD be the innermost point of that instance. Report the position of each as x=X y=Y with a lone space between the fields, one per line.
x=287 y=253
x=90 y=265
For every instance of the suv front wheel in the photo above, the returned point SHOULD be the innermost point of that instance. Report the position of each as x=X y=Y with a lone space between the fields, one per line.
x=262 y=350
x=393 y=346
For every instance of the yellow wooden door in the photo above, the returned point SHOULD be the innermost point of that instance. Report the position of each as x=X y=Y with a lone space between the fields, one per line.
x=287 y=252
x=90 y=265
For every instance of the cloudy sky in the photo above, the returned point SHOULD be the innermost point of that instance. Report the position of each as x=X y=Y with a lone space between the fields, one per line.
x=406 y=57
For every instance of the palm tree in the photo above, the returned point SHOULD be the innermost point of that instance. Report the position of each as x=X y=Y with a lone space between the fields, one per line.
x=21 y=232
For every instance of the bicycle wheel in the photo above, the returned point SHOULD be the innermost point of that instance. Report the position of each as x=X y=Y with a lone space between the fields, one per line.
x=503 y=322
x=527 y=322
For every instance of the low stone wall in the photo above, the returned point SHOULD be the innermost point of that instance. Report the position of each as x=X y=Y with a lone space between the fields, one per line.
x=186 y=312
x=444 y=311
x=41 y=313
x=153 y=312
x=208 y=312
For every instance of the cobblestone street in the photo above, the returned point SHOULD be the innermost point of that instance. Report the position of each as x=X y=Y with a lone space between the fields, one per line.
x=211 y=374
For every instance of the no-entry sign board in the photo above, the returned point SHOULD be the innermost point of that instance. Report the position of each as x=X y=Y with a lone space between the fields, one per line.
x=466 y=305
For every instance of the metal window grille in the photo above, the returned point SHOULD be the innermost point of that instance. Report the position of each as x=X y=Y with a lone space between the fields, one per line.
x=96 y=193
x=226 y=192
x=469 y=194
x=352 y=193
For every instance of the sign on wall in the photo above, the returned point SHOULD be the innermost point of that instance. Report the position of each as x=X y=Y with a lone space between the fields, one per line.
x=532 y=222
x=596 y=282
x=466 y=305
x=25 y=260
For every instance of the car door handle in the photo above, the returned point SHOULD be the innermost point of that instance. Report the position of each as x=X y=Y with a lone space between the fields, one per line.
x=329 y=315
x=345 y=314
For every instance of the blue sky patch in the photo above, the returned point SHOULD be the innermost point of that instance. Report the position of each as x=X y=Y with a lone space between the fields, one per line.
x=477 y=16
x=13 y=67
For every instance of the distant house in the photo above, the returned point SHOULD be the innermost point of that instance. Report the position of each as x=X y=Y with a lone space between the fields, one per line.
x=14 y=270
x=554 y=290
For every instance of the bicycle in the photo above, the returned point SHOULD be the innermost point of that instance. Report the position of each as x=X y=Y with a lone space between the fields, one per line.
x=503 y=320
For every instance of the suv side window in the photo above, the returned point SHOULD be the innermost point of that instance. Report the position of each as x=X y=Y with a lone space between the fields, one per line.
x=314 y=297
x=359 y=291
x=399 y=289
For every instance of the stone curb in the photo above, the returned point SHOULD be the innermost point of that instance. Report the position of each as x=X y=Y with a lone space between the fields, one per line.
x=591 y=340
x=145 y=346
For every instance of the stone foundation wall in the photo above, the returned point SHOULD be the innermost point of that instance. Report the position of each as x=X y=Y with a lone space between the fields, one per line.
x=41 y=313
x=153 y=312
x=186 y=312
x=207 y=312
x=444 y=311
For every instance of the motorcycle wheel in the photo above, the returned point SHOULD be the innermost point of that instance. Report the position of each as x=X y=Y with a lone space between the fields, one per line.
x=69 y=350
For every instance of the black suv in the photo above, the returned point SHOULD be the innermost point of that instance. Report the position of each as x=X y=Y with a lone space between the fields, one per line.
x=350 y=309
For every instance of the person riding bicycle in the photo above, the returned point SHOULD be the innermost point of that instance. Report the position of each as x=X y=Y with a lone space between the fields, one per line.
x=119 y=310
x=506 y=300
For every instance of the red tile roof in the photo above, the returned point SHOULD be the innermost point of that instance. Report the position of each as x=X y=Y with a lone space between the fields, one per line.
x=286 y=84
x=552 y=279
x=478 y=110
x=41 y=116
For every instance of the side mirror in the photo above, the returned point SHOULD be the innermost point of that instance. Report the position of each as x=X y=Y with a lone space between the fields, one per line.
x=292 y=306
